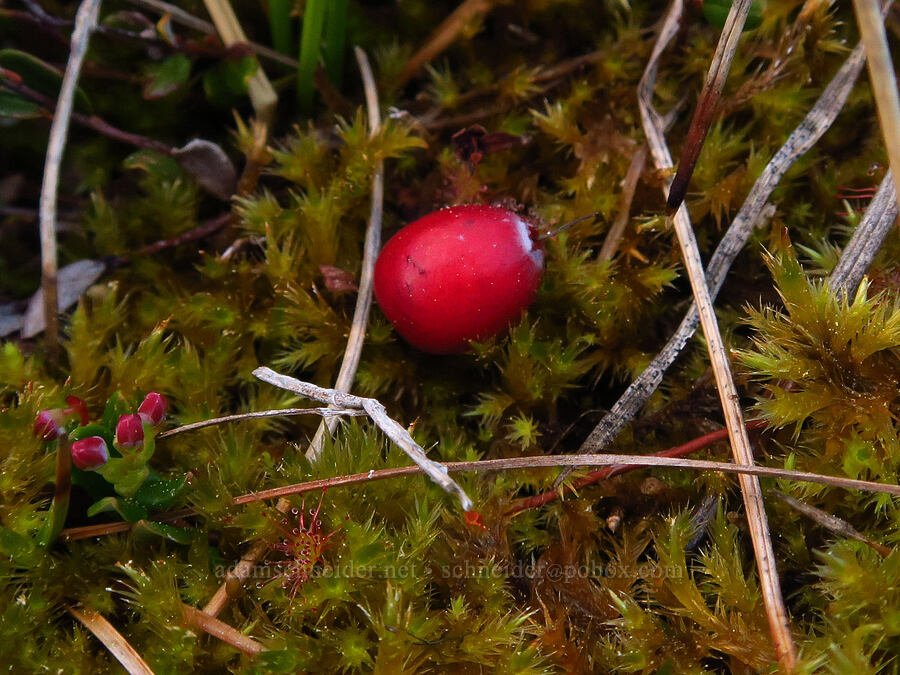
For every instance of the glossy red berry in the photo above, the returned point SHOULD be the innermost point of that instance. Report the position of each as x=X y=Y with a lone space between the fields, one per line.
x=458 y=274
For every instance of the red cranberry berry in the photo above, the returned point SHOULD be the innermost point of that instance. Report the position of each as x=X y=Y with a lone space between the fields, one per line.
x=459 y=274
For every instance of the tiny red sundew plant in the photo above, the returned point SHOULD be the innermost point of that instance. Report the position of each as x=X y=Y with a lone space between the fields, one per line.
x=302 y=545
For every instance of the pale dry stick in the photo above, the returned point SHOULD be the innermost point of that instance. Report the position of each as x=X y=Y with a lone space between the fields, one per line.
x=709 y=99
x=112 y=639
x=187 y=19
x=804 y=137
x=261 y=414
x=262 y=93
x=884 y=82
x=860 y=251
x=538 y=461
x=377 y=413
x=629 y=185
x=352 y=352
x=220 y=629
x=830 y=522
x=85 y=20
x=740 y=443
x=444 y=35
x=371 y=247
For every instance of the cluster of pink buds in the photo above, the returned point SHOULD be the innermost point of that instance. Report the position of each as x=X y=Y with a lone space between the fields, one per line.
x=91 y=453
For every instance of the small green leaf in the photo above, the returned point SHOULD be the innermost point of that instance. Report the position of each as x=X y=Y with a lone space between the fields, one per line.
x=40 y=76
x=166 y=77
x=129 y=509
x=116 y=406
x=93 y=429
x=179 y=535
x=13 y=106
x=18 y=548
x=227 y=82
x=158 y=493
x=156 y=165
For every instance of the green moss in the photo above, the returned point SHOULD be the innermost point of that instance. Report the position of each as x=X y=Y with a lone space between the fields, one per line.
x=607 y=579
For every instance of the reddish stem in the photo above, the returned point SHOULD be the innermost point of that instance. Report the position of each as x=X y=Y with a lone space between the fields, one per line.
x=608 y=472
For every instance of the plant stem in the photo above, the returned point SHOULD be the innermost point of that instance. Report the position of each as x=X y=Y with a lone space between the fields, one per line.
x=56 y=517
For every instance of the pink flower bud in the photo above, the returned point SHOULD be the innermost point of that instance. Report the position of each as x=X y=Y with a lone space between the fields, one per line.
x=49 y=424
x=89 y=453
x=153 y=409
x=129 y=431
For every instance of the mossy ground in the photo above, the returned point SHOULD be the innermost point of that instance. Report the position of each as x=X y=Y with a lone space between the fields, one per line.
x=409 y=586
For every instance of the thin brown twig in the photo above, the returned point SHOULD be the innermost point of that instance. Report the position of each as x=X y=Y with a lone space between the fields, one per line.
x=85 y=20
x=102 y=529
x=91 y=122
x=884 y=83
x=260 y=414
x=620 y=462
x=629 y=185
x=219 y=629
x=199 y=232
x=187 y=19
x=602 y=474
x=112 y=639
x=444 y=35
x=708 y=102
x=830 y=522
x=737 y=432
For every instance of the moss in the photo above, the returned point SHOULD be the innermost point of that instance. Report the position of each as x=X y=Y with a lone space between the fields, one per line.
x=626 y=575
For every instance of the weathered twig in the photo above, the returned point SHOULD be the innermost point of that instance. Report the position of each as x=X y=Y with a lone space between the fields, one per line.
x=261 y=414
x=187 y=19
x=444 y=35
x=536 y=461
x=884 y=83
x=85 y=20
x=734 y=421
x=371 y=247
x=709 y=99
x=829 y=521
x=377 y=413
x=219 y=629
x=259 y=89
x=117 y=645
x=560 y=487
x=92 y=122
x=807 y=134
x=860 y=251
x=629 y=185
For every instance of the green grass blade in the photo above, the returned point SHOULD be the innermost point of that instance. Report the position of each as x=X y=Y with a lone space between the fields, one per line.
x=310 y=40
x=280 y=25
x=335 y=40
